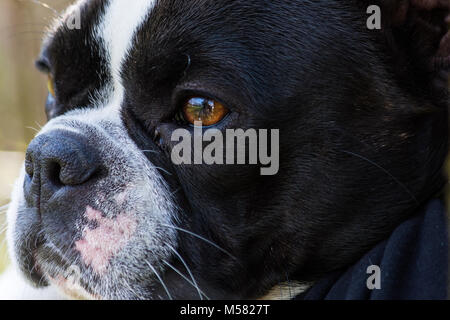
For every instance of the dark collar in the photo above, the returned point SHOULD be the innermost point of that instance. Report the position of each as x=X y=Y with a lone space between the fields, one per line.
x=413 y=264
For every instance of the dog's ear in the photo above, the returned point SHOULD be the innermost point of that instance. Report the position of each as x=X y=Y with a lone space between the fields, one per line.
x=417 y=33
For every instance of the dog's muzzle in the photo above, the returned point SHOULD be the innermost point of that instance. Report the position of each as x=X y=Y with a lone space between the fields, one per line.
x=91 y=202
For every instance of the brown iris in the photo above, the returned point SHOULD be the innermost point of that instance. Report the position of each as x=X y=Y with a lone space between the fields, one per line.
x=51 y=85
x=206 y=111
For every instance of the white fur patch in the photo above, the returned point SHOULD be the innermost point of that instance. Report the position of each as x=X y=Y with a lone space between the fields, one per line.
x=117 y=30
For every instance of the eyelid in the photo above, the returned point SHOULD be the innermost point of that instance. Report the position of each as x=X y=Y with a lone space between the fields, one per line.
x=43 y=65
x=181 y=95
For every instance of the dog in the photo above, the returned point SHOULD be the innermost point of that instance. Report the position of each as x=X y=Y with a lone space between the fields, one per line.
x=100 y=211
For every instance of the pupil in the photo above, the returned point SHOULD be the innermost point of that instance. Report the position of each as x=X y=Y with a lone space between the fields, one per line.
x=208 y=104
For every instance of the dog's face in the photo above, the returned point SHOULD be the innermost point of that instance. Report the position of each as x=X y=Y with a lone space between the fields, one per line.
x=101 y=198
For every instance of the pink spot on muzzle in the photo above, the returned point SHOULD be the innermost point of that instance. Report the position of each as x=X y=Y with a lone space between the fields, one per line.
x=99 y=245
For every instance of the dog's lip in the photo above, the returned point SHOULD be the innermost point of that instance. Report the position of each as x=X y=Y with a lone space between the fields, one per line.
x=33 y=270
x=74 y=290
x=28 y=259
x=79 y=290
x=74 y=293
x=38 y=269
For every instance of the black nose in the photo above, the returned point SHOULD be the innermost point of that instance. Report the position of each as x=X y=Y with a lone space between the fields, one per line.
x=55 y=160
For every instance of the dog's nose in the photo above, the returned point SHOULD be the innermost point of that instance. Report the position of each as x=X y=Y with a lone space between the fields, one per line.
x=57 y=159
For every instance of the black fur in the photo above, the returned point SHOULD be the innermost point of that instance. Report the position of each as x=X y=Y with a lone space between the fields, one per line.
x=76 y=61
x=363 y=126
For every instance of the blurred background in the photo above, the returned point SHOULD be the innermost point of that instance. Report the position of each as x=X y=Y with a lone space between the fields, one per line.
x=22 y=89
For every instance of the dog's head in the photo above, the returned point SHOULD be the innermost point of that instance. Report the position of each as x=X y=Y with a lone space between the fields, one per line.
x=101 y=209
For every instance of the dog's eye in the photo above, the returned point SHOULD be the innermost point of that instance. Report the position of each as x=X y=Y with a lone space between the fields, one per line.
x=207 y=111
x=51 y=85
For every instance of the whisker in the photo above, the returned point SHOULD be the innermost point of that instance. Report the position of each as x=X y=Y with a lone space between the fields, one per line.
x=201 y=238
x=140 y=297
x=385 y=171
x=163 y=170
x=3 y=228
x=5 y=207
x=34 y=129
x=193 y=283
x=42 y=4
x=175 y=192
x=160 y=280
x=40 y=126
x=201 y=293
x=150 y=151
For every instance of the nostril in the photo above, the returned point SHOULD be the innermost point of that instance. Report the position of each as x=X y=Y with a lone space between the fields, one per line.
x=56 y=160
x=54 y=173
x=29 y=166
x=60 y=173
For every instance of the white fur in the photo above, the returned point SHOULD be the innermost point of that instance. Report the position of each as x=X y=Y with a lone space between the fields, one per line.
x=117 y=31
x=14 y=287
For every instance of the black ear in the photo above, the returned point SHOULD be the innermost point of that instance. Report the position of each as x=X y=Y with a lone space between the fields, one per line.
x=417 y=32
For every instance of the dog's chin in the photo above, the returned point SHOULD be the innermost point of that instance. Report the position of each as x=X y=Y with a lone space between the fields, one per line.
x=48 y=268
x=69 y=288
x=44 y=267
x=73 y=291
x=43 y=264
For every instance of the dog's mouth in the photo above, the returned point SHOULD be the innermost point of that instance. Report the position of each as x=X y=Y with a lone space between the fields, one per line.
x=86 y=257
x=44 y=265
x=70 y=279
x=31 y=267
